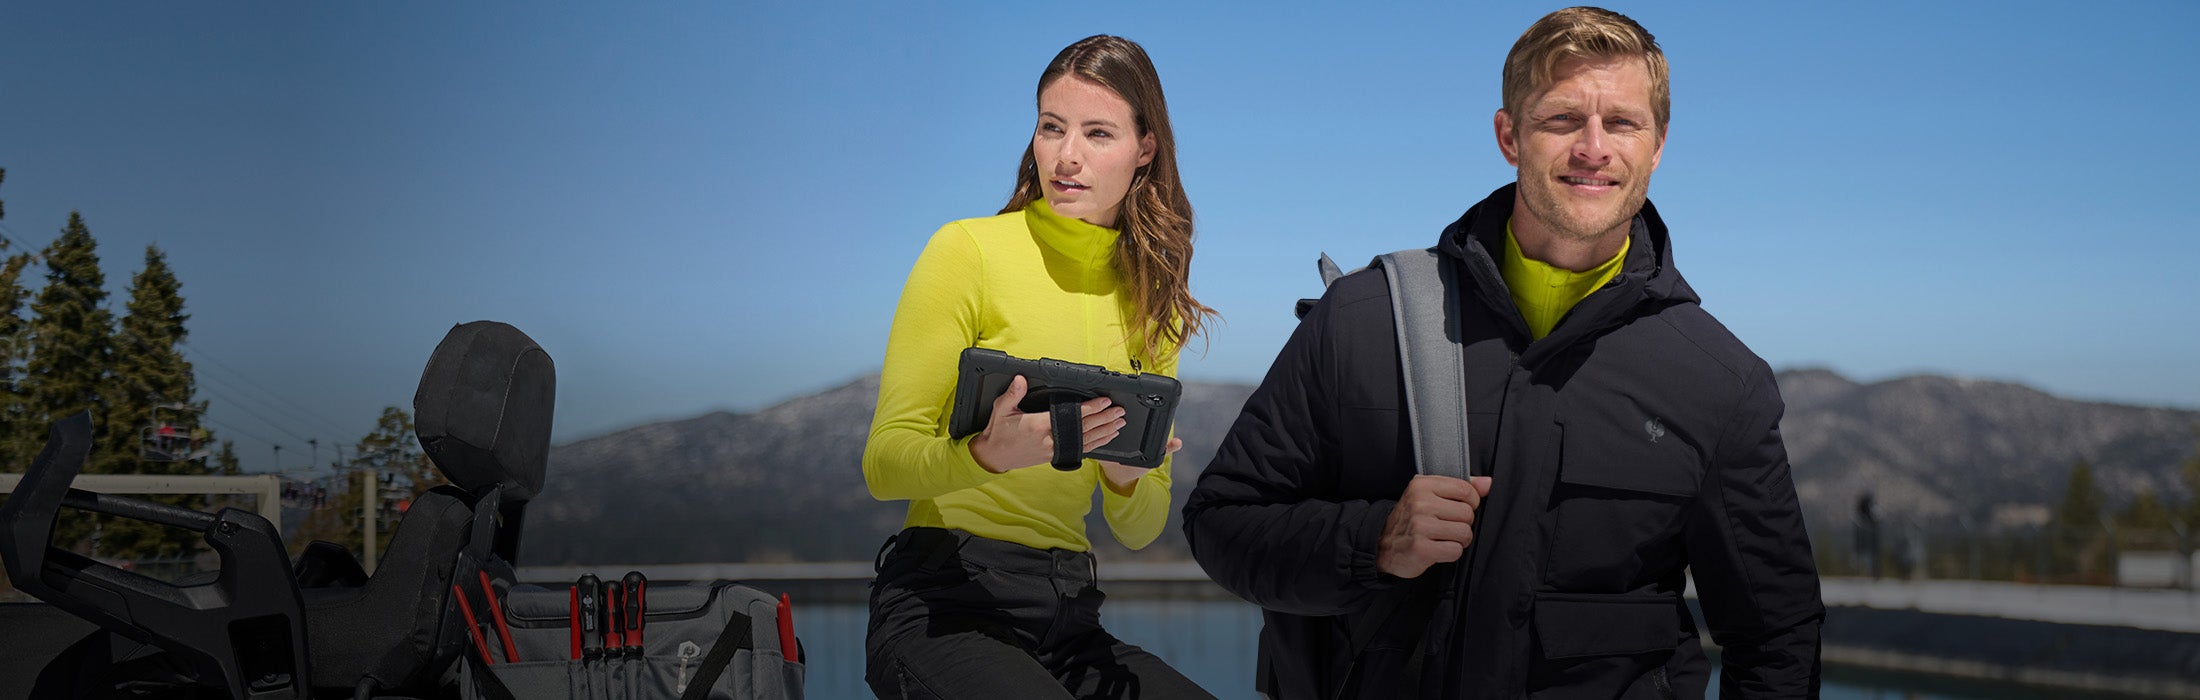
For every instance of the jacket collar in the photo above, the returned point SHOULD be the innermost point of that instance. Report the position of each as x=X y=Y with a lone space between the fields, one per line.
x=1647 y=278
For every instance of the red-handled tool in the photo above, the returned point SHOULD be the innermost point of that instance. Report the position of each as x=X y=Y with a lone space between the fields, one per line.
x=496 y=613
x=573 y=619
x=789 y=649
x=473 y=625
x=614 y=620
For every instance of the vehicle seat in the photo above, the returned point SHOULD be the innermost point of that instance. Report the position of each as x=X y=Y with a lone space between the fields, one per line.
x=482 y=414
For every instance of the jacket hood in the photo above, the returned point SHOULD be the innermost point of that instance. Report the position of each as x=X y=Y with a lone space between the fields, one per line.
x=1646 y=278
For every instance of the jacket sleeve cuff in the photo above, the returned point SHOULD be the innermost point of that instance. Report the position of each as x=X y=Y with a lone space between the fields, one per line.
x=1363 y=546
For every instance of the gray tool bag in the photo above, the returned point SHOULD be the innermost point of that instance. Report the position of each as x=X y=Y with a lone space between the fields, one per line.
x=718 y=640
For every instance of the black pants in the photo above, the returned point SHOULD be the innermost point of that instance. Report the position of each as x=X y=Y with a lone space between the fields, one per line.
x=954 y=615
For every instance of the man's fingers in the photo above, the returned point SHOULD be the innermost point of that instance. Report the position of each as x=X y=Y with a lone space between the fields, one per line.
x=1467 y=491
x=1438 y=551
x=1444 y=531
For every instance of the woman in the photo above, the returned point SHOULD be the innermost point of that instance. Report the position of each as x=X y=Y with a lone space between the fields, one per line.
x=990 y=591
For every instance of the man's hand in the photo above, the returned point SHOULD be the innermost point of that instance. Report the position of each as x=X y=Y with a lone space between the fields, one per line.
x=1014 y=439
x=1433 y=523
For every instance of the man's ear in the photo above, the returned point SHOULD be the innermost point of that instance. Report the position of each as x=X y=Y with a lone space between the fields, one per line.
x=1507 y=141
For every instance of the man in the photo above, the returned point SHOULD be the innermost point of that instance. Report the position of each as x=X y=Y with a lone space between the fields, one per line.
x=1628 y=441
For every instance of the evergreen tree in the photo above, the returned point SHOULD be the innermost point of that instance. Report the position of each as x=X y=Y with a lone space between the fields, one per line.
x=2081 y=507
x=152 y=424
x=2190 y=472
x=70 y=332
x=226 y=462
x=20 y=432
x=390 y=449
x=2147 y=514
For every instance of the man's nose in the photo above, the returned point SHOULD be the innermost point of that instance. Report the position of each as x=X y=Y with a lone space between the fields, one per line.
x=1591 y=145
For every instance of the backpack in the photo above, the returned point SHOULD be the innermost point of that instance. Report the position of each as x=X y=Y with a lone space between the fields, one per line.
x=1424 y=301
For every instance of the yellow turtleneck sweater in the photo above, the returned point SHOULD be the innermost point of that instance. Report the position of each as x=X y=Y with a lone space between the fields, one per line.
x=1545 y=293
x=1032 y=284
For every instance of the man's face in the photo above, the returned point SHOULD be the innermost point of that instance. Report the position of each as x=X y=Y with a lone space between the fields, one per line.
x=1585 y=149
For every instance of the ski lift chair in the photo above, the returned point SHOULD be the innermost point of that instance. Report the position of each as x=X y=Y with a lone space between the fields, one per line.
x=482 y=414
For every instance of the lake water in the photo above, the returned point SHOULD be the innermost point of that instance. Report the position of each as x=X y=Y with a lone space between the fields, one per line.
x=1213 y=643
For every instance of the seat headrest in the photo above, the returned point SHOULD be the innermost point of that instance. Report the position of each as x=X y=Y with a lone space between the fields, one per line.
x=484 y=406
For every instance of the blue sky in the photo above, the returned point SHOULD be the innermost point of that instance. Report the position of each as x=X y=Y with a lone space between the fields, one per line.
x=704 y=206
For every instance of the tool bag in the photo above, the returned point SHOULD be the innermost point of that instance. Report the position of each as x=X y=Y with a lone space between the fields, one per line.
x=718 y=640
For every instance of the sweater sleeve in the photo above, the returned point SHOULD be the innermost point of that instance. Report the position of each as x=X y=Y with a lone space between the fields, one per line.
x=909 y=455
x=1137 y=520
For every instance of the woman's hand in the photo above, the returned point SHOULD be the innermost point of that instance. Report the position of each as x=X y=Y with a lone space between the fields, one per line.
x=1014 y=439
x=1122 y=478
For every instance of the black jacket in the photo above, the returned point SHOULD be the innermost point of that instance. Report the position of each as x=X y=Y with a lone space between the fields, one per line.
x=1637 y=443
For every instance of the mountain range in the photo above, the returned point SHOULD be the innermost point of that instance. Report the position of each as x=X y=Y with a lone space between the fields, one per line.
x=785 y=483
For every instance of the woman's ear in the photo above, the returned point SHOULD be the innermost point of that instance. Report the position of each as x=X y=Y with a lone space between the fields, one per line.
x=1146 y=147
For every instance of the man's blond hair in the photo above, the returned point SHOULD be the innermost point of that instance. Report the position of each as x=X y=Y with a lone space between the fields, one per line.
x=1584 y=33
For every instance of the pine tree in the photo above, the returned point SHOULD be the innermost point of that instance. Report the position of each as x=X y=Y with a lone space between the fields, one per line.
x=20 y=432
x=226 y=462
x=70 y=332
x=152 y=424
x=2081 y=507
x=2190 y=473
x=390 y=449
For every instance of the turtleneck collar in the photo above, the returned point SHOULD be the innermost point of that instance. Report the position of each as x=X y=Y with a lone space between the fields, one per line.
x=1087 y=243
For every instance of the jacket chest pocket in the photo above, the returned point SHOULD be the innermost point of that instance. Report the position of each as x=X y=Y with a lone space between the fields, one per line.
x=1617 y=508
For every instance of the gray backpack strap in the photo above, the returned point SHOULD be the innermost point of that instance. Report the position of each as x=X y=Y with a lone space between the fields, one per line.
x=1424 y=299
x=1329 y=270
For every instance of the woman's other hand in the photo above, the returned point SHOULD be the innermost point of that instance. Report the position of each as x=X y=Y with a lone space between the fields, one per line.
x=1014 y=439
x=1123 y=478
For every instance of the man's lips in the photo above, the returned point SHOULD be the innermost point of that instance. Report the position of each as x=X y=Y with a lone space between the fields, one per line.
x=1588 y=181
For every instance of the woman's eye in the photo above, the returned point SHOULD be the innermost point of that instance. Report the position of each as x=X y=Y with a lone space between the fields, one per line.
x=1099 y=134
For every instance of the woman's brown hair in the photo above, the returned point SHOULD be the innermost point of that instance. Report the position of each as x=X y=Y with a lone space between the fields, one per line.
x=1153 y=257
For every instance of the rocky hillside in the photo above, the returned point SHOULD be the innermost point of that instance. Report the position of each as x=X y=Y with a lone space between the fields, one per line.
x=785 y=483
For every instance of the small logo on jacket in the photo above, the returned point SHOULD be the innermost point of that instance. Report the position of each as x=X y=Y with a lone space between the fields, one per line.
x=1655 y=428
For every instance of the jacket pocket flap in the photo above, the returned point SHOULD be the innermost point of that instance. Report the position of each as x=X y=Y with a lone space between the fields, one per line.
x=1669 y=467
x=1586 y=624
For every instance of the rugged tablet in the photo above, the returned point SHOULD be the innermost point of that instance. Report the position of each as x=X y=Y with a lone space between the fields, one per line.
x=1148 y=400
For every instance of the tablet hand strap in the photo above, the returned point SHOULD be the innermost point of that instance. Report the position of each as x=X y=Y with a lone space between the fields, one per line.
x=1069 y=432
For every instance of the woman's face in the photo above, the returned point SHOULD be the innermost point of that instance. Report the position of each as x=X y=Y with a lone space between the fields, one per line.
x=1087 y=147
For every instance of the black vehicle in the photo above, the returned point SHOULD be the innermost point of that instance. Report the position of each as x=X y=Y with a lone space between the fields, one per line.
x=263 y=626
